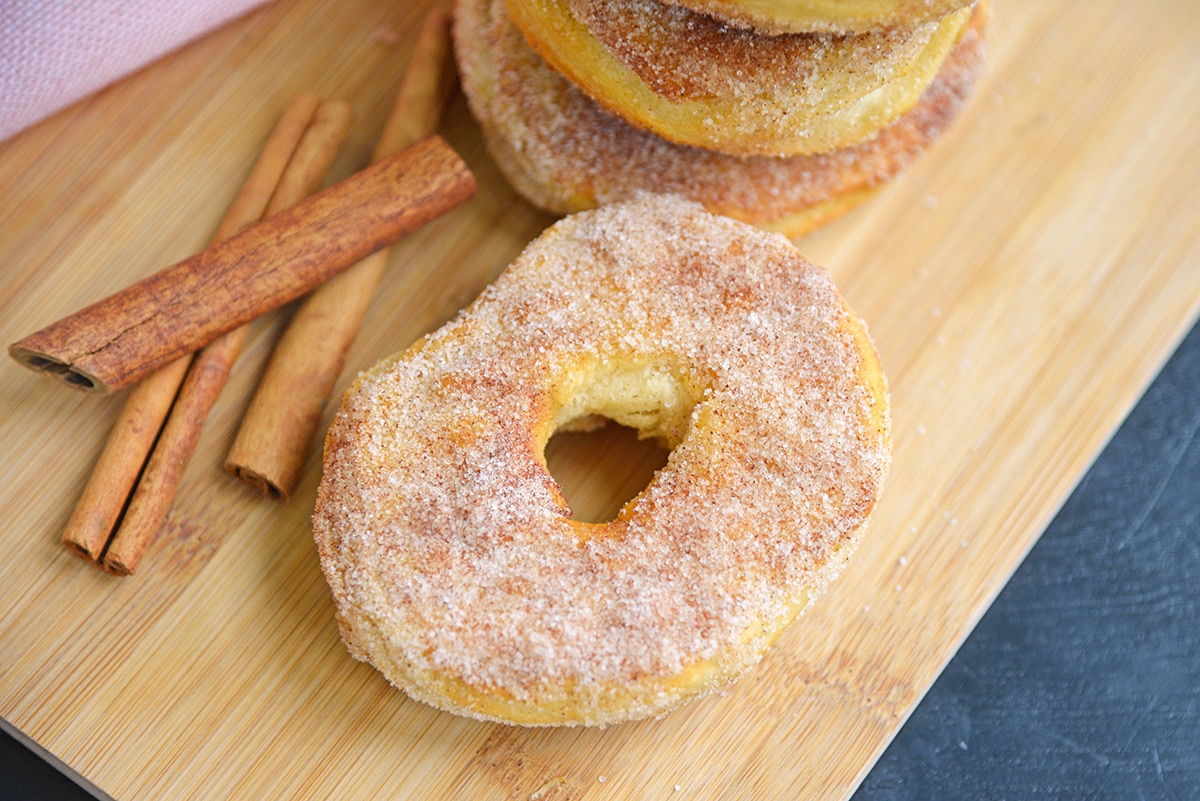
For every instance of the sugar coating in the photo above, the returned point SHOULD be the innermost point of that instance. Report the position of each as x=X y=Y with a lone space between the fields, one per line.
x=694 y=81
x=449 y=548
x=684 y=55
x=844 y=16
x=565 y=154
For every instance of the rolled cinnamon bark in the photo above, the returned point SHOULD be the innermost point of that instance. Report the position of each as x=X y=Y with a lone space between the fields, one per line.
x=281 y=422
x=123 y=338
x=209 y=369
x=133 y=435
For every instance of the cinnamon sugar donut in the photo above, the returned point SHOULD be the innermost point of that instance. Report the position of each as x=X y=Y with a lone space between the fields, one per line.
x=456 y=566
x=693 y=81
x=835 y=16
x=564 y=154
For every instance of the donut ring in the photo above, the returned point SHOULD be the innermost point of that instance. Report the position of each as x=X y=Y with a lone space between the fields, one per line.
x=693 y=81
x=833 y=16
x=453 y=559
x=564 y=154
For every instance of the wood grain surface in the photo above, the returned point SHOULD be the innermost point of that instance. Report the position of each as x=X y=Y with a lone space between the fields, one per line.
x=1023 y=283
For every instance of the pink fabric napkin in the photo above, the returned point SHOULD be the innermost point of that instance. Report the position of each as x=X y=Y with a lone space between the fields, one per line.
x=54 y=52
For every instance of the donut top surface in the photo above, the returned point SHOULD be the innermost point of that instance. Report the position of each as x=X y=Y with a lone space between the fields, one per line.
x=451 y=553
x=843 y=16
x=690 y=80
x=682 y=55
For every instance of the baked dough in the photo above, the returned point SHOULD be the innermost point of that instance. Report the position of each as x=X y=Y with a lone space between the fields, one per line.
x=564 y=154
x=455 y=564
x=837 y=16
x=687 y=78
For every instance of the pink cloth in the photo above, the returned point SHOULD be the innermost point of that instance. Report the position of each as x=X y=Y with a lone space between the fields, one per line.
x=54 y=52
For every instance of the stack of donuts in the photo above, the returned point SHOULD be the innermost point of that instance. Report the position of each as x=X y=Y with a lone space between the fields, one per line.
x=781 y=113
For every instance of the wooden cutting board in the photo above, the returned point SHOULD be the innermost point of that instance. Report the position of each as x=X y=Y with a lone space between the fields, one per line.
x=1023 y=283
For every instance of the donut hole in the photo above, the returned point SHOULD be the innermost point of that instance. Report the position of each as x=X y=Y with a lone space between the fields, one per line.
x=602 y=469
x=614 y=427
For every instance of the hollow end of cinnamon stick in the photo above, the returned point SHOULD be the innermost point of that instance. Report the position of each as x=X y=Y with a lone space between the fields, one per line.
x=95 y=560
x=114 y=564
x=271 y=489
x=63 y=372
x=80 y=551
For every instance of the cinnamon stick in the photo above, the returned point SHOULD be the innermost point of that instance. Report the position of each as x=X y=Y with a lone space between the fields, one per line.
x=128 y=335
x=277 y=431
x=209 y=370
x=141 y=418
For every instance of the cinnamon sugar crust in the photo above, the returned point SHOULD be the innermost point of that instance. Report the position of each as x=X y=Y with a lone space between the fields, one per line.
x=835 y=16
x=564 y=153
x=453 y=559
x=694 y=81
x=681 y=55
